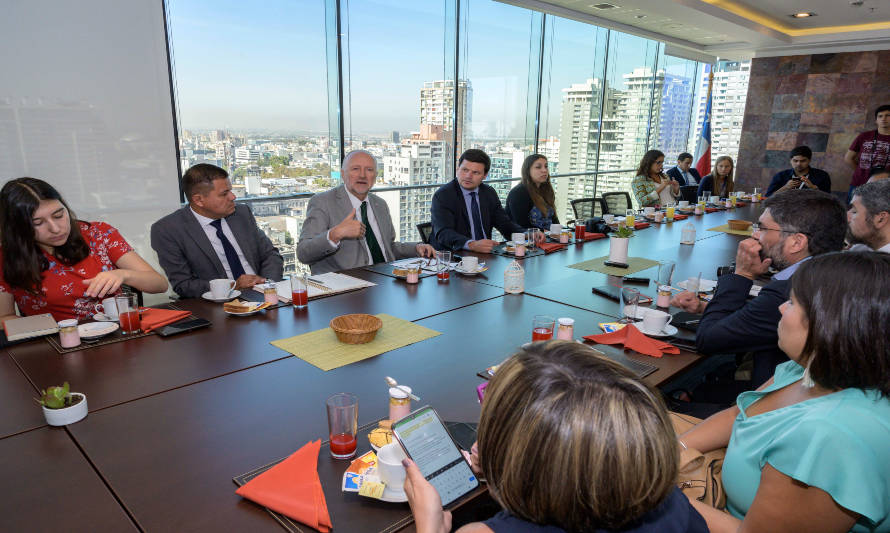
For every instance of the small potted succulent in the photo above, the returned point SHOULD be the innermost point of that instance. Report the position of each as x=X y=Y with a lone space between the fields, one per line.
x=618 y=244
x=61 y=407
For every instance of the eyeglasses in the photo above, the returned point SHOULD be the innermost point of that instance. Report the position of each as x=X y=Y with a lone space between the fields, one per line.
x=757 y=227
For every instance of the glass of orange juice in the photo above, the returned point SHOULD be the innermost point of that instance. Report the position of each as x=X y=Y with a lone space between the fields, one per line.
x=629 y=218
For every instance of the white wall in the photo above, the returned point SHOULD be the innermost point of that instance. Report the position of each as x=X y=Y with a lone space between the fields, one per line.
x=85 y=105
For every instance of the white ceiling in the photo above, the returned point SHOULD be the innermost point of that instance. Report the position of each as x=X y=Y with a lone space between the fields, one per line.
x=737 y=29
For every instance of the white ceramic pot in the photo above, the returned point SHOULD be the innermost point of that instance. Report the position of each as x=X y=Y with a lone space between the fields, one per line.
x=618 y=249
x=67 y=415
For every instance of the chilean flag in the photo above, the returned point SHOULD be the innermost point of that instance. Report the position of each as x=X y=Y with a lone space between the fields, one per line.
x=703 y=148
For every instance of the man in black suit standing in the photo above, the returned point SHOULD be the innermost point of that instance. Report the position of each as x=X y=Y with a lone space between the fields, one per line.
x=465 y=210
x=683 y=172
x=794 y=226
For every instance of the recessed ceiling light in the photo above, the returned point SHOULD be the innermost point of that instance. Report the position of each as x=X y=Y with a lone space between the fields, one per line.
x=603 y=6
x=640 y=16
x=802 y=15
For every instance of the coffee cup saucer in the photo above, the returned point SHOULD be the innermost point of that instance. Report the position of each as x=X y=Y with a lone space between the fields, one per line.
x=102 y=317
x=394 y=495
x=480 y=269
x=668 y=331
x=209 y=296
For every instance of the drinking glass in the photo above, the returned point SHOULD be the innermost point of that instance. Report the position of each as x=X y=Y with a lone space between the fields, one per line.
x=530 y=237
x=342 y=424
x=299 y=291
x=665 y=273
x=669 y=211
x=630 y=299
x=629 y=218
x=579 y=229
x=443 y=265
x=128 y=313
x=542 y=328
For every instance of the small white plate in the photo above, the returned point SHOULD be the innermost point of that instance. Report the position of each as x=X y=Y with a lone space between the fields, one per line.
x=99 y=317
x=94 y=330
x=668 y=331
x=394 y=496
x=247 y=313
x=208 y=296
x=482 y=268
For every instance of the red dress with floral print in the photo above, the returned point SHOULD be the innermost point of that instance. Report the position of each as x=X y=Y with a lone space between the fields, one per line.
x=61 y=292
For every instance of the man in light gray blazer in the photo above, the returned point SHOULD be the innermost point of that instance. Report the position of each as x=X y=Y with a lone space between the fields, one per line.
x=341 y=231
x=212 y=238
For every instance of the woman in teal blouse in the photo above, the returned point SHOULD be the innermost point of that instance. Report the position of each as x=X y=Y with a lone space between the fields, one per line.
x=810 y=450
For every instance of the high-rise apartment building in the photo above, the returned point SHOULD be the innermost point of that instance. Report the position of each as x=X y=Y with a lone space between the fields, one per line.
x=419 y=162
x=437 y=108
x=728 y=96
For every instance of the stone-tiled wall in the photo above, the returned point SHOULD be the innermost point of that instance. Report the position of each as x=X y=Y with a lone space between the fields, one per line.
x=822 y=101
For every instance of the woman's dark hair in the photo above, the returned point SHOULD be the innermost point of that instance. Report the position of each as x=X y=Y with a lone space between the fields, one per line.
x=647 y=162
x=845 y=296
x=542 y=195
x=570 y=438
x=23 y=260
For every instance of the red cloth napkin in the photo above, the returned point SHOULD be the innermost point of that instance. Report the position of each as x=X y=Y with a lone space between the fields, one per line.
x=741 y=204
x=633 y=339
x=153 y=319
x=680 y=217
x=593 y=236
x=292 y=488
x=549 y=247
x=711 y=210
x=641 y=225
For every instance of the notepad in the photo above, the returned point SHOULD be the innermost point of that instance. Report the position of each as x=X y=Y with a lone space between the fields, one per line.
x=320 y=285
x=30 y=326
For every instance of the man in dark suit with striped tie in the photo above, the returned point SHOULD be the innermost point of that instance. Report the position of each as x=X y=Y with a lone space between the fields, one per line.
x=465 y=210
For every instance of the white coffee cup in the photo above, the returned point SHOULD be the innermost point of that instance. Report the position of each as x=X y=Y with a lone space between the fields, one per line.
x=648 y=210
x=221 y=288
x=555 y=229
x=469 y=264
x=518 y=237
x=609 y=218
x=389 y=466
x=654 y=321
x=684 y=203
x=108 y=308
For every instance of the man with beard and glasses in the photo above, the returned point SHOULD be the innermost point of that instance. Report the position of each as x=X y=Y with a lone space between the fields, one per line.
x=869 y=218
x=794 y=226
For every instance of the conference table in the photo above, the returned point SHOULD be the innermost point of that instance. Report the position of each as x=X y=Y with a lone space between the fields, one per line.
x=173 y=420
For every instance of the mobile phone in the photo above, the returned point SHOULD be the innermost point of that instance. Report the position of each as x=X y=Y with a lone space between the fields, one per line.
x=615 y=264
x=614 y=293
x=428 y=443
x=628 y=279
x=182 y=327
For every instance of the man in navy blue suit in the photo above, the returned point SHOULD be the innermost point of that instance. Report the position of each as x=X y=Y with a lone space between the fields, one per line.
x=683 y=172
x=801 y=175
x=794 y=226
x=465 y=210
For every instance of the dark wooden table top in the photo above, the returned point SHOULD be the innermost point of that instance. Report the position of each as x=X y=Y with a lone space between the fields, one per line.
x=18 y=410
x=50 y=486
x=173 y=420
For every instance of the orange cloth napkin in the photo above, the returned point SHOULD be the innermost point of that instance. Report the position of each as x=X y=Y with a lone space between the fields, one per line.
x=549 y=247
x=593 y=236
x=292 y=488
x=680 y=217
x=641 y=225
x=741 y=204
x=633 y=339
x=153 y=319
x=711 y=210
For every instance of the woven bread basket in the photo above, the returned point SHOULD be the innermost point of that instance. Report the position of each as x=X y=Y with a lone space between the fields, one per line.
x=356 y=329
x=739 y=224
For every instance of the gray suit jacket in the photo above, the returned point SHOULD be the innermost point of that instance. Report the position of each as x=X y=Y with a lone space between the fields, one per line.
x=188 y=258
x=329 y=208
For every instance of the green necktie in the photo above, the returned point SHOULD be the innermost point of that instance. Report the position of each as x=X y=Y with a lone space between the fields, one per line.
x=376 y=253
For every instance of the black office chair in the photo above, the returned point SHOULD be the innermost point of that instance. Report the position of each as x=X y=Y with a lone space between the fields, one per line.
x=689 y=193
x=617 y=203
x=426 y=231
x=585 y=208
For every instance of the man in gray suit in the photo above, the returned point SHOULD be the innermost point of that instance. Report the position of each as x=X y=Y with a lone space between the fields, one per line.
x=212 y=238
x=341 y=232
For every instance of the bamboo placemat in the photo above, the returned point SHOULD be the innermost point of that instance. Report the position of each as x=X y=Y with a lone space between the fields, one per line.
x=322 y=349
x=634 y=265
x=725 y=229
x=112 y=338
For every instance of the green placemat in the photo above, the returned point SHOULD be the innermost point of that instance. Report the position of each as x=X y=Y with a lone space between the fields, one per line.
x=725 y=229
x=322 y=349
x=634 y=265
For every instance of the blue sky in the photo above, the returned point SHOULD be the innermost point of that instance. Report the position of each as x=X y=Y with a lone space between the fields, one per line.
x=249 y=65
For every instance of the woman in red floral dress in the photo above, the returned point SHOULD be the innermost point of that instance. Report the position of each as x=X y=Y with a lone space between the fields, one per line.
x=54 y=263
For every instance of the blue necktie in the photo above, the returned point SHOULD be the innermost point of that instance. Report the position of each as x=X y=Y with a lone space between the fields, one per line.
x=231 y=254
x=478 y=232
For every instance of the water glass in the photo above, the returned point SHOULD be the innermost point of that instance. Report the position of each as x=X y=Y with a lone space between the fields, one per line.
x=443 y=265
x=342 y=424
x=663 y=282
x=128 y=313
x=542 y=328
x=299 y=291
x=630 y=299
